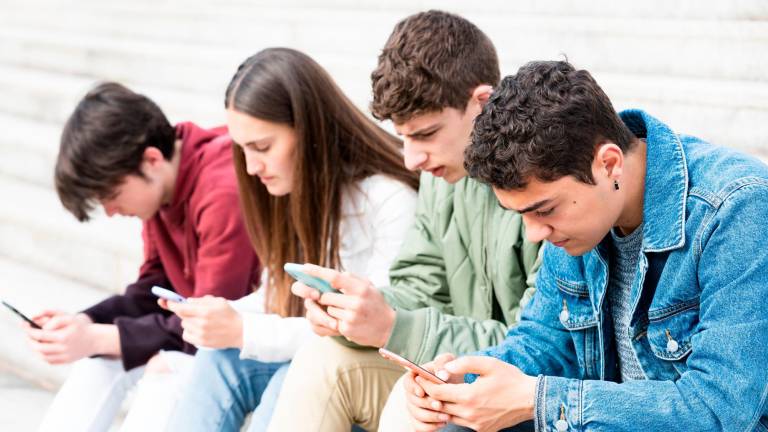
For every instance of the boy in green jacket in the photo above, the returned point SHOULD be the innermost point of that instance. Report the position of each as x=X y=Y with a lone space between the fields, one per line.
x=464 y=271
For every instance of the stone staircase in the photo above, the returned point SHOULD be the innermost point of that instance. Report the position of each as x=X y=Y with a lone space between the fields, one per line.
x=699 y=65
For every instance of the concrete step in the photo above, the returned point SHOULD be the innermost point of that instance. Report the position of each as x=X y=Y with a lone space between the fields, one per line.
x=51 y=97
x=36 y=229
x=667 y=45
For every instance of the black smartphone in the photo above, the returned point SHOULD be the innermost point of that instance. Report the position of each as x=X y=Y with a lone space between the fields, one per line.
x=24 y=317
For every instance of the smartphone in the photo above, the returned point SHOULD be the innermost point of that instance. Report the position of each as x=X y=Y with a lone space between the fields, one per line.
x=24 y=317
x=411 y=366
x=297 y=272
x=167 y=294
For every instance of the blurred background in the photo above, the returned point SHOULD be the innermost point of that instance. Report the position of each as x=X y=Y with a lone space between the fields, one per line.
x=701 y=66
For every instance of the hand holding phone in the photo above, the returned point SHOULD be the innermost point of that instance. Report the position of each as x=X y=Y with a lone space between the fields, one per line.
x=168 y=294
x=21 y=315
x=297 y=272
x=411 y=366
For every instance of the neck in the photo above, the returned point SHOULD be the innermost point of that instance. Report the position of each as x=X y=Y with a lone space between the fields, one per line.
x=169 y=182
x=633 y=183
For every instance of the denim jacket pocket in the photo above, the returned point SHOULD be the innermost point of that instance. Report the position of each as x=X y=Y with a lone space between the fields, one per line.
x=579 y=318
x=576 y=311
x=669 y=334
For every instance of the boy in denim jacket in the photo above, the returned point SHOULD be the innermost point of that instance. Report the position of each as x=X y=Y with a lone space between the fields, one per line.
x=648 y=313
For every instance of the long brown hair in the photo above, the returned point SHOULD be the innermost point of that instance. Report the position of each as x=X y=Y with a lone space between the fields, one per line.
x=337 y=146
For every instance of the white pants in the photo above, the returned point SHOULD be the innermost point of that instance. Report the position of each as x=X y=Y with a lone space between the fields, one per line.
x=92 y=395
x=395 y=416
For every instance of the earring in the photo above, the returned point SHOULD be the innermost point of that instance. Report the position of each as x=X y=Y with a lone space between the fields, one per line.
x=616 y=184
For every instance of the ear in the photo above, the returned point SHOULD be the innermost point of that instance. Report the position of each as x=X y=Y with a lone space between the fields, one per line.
x=608 y=162
x=152 y=157
x=482 y=93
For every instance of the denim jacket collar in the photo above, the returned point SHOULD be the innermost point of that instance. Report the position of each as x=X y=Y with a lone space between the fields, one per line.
x=666 y=182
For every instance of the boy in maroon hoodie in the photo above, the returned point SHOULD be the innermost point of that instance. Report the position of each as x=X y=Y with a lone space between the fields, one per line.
x=119 y=150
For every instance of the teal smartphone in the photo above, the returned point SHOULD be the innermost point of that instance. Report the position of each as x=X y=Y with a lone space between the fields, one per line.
x=297 y=272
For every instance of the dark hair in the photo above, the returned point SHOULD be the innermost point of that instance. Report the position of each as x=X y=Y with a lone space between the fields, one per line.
x=337 y=146
x=432 y=60
x=545 y=122
x=103 y=141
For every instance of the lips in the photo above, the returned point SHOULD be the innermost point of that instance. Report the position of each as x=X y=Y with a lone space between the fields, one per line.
x=437 y=171
x=266 y=179
x=560 y=243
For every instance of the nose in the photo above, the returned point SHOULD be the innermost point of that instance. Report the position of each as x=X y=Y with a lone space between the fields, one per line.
x=110 y=209
x=413 y=158
x=253 y=165
x=536 y=231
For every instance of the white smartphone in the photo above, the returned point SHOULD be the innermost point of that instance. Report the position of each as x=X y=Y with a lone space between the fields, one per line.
x=168 y=294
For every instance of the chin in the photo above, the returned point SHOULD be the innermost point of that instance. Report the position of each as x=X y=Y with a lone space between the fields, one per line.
x=277 y=191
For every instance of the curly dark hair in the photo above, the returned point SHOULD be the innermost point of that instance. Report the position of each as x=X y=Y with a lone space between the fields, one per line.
x=545 y=122
x=432 y=60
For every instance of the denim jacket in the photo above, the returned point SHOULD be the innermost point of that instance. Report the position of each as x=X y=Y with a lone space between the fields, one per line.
x=698 y=296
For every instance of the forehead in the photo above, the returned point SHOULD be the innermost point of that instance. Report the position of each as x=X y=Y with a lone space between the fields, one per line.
x=245 y=128
x=425 y=120
x=536 y=191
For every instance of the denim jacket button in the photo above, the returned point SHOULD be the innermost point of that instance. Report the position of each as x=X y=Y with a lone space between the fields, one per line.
x=672 y=345
x=564 y=315
x=561 y=425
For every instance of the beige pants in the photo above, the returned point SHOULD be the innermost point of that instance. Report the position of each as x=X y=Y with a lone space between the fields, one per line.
x=330 y=387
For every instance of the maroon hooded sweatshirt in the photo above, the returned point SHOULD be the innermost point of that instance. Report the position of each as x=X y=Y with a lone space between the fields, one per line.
x=196 y=245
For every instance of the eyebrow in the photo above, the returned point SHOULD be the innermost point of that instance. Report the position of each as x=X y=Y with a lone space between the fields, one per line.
x=530 y=208
x=254 y=142
x=425 y=130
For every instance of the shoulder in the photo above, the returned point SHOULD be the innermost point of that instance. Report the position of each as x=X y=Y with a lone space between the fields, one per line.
x=378 y=190
x=717 y=174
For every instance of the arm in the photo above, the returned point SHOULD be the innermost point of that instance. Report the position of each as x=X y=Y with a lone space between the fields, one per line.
x=725 y=383
x=425 y=323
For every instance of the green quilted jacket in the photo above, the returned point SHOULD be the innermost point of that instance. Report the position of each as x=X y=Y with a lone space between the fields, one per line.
x=463 y=251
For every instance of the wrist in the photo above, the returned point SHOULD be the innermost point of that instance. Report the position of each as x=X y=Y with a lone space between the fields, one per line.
x=105 y=339
x=83 y=318
x=237 y=339
x=389 y=323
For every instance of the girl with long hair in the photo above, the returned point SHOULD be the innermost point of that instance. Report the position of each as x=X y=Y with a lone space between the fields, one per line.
x=319 y=182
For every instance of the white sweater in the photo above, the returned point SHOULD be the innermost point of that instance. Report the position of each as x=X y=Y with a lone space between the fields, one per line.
x=375 y=218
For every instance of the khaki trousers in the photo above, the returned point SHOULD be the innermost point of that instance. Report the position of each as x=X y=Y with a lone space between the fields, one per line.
x=330 y=387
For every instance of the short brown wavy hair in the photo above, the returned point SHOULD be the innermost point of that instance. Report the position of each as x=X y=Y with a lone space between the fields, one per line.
x=432 y=60
x=544 y=122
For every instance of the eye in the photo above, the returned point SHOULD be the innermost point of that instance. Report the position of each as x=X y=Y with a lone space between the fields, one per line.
x=261 y=147
x=543 y=213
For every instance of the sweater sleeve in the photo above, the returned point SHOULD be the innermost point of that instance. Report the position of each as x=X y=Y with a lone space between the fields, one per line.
x=225 y=266
x=144 y=327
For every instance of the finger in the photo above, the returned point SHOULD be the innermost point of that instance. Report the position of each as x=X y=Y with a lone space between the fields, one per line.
x=340 y=314
x=57 y=359
x=184 y=310
x=429 y=416
x=305 y=292
x=443 y=392
x=324 y=331
x=411 y=387
x=480 y=365
x=345 y=282
x=343 y=301
x=454 y=411
x=163 y=303
x=46 y=314
x=47 y=349
x=57 y=322
x=317 y=315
